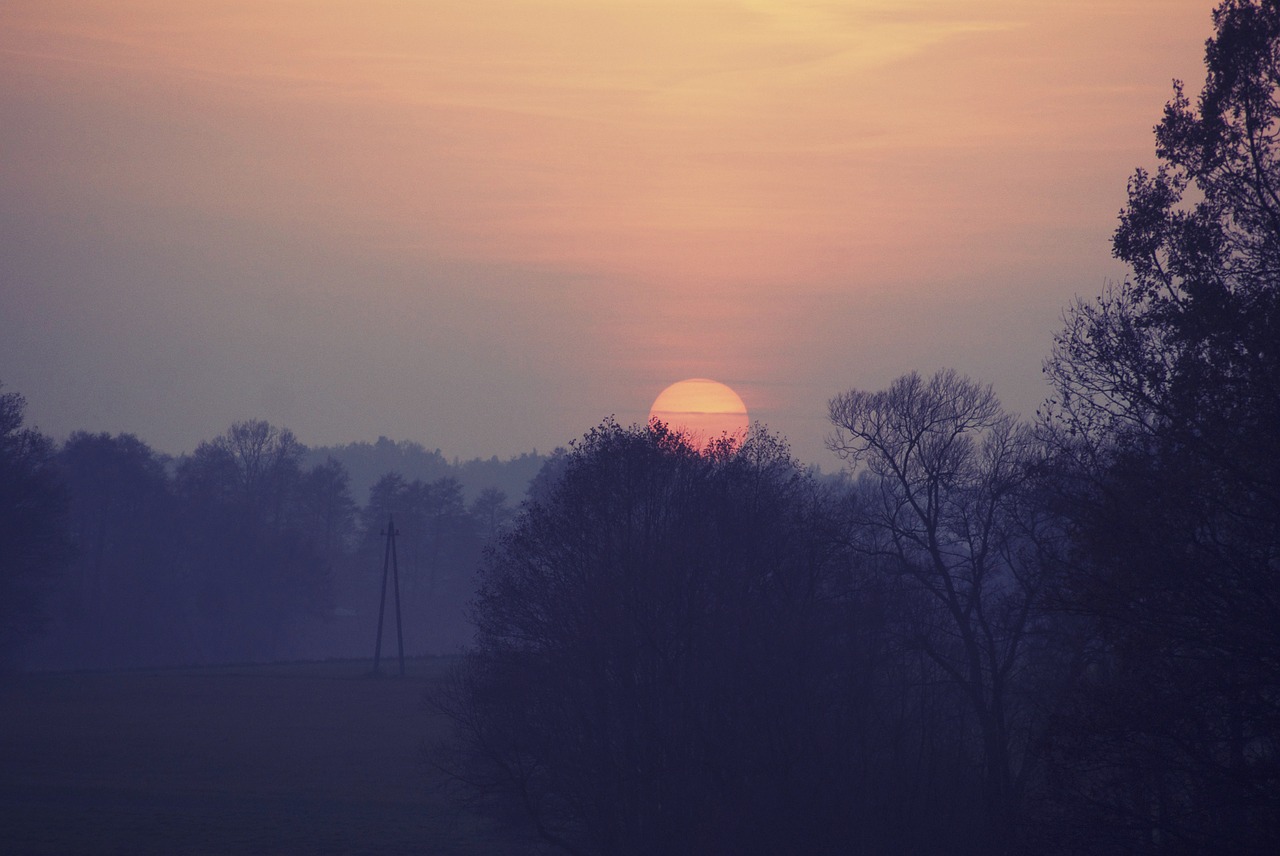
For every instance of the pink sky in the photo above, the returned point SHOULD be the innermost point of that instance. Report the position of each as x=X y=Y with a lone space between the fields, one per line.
x=484 y=226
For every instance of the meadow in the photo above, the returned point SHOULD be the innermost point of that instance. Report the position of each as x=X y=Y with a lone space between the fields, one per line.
x=311 y=758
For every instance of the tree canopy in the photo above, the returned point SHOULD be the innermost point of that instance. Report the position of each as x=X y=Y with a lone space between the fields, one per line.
x=1166 y=429
x=646 y=676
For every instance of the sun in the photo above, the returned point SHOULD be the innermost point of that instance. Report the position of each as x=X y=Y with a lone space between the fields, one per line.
x=702 y=408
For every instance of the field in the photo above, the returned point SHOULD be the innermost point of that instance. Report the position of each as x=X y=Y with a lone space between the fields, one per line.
x=281 y=759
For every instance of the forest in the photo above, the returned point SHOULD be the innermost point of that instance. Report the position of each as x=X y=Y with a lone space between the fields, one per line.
x=250 y=549
x=1057 y=634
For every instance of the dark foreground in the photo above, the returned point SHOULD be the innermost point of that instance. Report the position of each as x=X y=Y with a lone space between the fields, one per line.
x=283 y=759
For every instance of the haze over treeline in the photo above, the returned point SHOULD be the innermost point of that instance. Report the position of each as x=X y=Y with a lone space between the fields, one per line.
x=252 y=547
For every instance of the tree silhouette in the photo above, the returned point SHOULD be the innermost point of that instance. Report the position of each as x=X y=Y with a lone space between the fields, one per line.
x=649 y=672
x=121 y=603
x=943 y=505
x=34 y=543
x=1166 y=426
x=246 y=552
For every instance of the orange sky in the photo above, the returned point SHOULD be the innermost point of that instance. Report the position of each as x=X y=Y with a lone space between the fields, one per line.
x=486 y=225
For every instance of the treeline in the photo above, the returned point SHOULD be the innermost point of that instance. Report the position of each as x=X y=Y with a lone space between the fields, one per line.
x=1059 y=636
x=249 y=548
x=684 y=650
x=365 y=463
x=980 y=644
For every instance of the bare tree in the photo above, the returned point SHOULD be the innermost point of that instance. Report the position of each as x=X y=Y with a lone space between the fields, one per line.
x=257 y=570
x=940 y=502
x=267 y=466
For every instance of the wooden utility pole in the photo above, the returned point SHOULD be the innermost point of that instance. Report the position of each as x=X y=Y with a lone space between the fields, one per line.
x=389 y=563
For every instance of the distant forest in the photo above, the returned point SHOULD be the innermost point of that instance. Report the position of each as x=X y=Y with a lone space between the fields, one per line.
x=253 y=547
x=365 y=463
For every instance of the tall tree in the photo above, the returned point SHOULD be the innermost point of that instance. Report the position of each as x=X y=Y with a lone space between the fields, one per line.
x=943 y=506
x=490 y=513
x=326 y=510
x=1166 y=423
x=649 y=674
x=122 y=602
x=264 y=463
x=34 y=544
x=258 y=572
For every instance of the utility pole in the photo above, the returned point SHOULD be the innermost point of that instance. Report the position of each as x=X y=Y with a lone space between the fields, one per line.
x=389 y=563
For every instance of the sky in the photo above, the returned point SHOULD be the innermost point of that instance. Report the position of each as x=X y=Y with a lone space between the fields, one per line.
x=485 y=226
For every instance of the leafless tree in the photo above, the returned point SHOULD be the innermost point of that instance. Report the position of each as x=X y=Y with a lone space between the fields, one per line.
x=940 y=501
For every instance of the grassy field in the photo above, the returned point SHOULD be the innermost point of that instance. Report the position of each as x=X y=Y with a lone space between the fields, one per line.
x=280 y=759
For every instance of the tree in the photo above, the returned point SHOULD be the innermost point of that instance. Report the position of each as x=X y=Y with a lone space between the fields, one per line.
x=490 y=513
x=943 y=506
x=326 y=510
x=121 y=603
x=650 y=672
x=549 y=474
x=245 y=549
x=1166 y=429
x=34 y=544
x=438 y=548
x=264 y=466
x=1185 y=347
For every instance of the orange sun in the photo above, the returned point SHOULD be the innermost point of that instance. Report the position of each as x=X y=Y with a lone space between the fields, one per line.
x=702 y=408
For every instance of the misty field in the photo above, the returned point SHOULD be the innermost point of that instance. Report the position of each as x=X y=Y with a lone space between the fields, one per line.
x=281 y=759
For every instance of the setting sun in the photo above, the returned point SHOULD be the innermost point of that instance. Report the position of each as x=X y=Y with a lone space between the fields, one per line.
x=704 y=408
